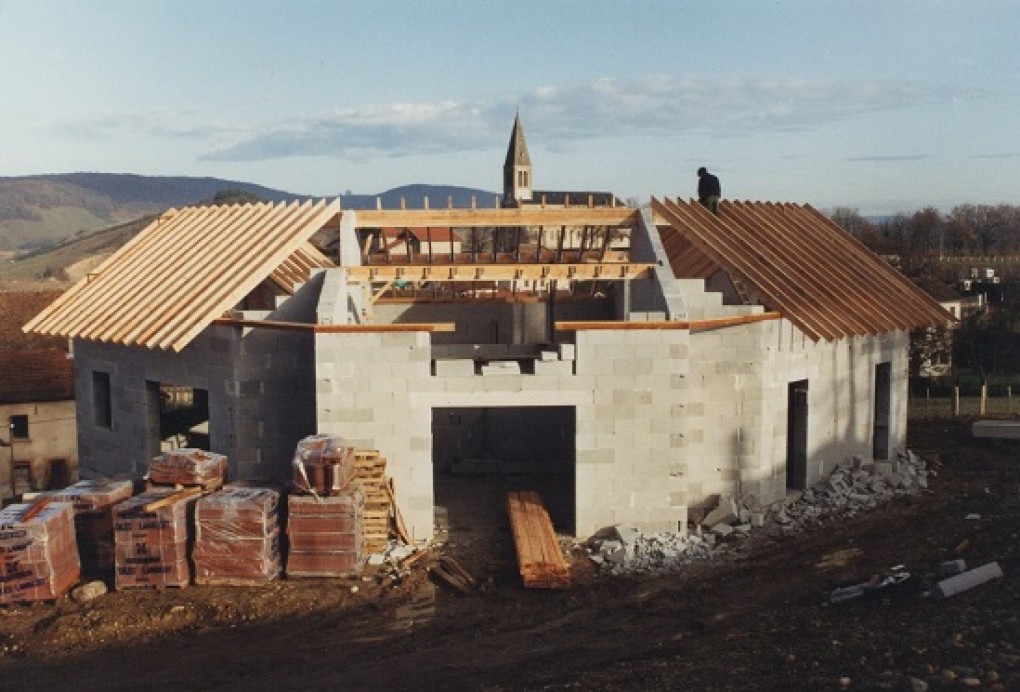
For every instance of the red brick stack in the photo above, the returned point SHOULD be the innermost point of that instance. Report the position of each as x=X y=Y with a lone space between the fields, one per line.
x=93 y=502
x=323 y=465
x=325 y=534
x=151 y=539
x=188 y=466
x=38 y=554
x=325 y=516
x=237 y=537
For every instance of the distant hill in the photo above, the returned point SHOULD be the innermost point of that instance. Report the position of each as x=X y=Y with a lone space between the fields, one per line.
x=41 y=211
x=63 y=225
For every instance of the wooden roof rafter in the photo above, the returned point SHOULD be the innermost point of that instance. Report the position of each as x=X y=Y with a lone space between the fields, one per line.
x=744 y=262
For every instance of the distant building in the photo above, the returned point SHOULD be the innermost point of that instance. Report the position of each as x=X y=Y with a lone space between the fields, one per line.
x=38 y=440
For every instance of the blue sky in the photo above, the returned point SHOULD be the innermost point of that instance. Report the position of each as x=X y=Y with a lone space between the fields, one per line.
x=881 y=106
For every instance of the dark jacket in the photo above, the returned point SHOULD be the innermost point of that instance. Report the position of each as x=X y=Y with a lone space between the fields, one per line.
x=708 y=185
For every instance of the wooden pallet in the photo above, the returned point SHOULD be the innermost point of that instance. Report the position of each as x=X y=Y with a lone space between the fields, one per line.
x=370 y=470
x=539 y=557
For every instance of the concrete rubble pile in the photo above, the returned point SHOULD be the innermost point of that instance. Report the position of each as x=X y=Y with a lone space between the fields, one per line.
x=854 y=486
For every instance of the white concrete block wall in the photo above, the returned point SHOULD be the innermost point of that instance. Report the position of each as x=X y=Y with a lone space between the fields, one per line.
x=627 y=458
x=364 y=392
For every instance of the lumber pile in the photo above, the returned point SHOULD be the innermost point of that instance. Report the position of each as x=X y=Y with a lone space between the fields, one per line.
x=237 y=537
x=370 y=472
x=188 y=467
x=93 y=502
x=323 y=465
x=325 y=534
x=38 y=554
x=150 y=533
x=539 y=556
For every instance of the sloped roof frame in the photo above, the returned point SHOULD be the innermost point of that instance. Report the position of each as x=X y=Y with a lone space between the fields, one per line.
x=185 y=270
x=794 y=259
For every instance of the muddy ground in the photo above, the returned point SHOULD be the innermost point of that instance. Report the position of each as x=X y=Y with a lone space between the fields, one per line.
x=757 y=619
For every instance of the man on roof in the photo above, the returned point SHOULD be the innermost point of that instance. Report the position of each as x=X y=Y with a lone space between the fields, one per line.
x=709 y=190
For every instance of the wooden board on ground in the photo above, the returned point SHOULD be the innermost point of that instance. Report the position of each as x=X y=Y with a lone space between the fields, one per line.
x=539 y=556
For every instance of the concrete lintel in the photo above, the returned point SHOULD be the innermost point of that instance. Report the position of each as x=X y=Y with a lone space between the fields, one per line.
x=494 y=399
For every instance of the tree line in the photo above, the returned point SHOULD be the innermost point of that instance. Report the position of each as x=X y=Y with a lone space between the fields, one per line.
x=923 y=238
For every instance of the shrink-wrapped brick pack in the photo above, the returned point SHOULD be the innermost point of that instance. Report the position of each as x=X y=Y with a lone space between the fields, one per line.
x=93 y=502
x=187 y=466
x=325 y=534
x=39 y=554
x=323 y=465
x=237 y=536
x=151 y=539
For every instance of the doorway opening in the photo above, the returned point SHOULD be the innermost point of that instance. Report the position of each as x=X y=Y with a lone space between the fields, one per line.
x=797 y=435
x=482 y=454
x=178 y=417
x=883 y=413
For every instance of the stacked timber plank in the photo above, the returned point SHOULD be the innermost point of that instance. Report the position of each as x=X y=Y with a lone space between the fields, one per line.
x=93 y=502
x=539 y=556
x=151 y=538
x=237 y=536
x=370 y=472
x=188 y=467
x=323 y=465
x=38 y=553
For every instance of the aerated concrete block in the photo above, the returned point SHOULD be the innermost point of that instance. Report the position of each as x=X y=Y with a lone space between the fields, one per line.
x=455 y=368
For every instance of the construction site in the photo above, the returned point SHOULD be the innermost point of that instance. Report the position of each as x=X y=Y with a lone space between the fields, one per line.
x=552 y=441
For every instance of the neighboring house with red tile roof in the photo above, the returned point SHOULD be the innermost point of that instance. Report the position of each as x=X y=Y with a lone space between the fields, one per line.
x=38 y=445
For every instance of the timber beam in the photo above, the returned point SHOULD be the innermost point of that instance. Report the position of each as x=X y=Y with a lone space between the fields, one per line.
x=501 y=272
x=495 y=218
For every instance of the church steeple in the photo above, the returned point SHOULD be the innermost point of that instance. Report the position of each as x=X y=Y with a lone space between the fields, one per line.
x=517 y=168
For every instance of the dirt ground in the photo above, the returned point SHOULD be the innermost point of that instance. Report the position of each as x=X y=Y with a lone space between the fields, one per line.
x=756 y=619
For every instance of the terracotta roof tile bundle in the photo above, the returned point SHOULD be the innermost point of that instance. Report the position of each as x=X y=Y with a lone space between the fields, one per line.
x=323 y=465
x=38 y=553
x=237 y=536
x=188 y=466
x=325 y=534
x=151 y=539
x=93 y=502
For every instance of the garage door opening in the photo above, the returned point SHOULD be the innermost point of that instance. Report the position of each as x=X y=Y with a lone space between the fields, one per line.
x=482 y=454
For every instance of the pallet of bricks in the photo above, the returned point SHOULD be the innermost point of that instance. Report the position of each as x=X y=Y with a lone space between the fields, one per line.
x=150 y=533
x=188 y=467
x=93 y=502
x=38 y=552
x=237 y=536
x=325 y=512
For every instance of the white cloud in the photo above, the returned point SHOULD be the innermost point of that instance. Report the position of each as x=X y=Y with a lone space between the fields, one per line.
x=564 y=114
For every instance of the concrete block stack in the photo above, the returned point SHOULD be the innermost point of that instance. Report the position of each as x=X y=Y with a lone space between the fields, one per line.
x=38 y=552
x=237 y=536
x=93 y=502
x=188 y=467
x=151 y=538
x=325 y=534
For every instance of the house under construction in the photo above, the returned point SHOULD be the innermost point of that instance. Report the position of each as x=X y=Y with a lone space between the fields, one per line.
x=657 y=358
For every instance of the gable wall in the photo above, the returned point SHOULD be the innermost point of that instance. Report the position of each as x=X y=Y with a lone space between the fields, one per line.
x=738 y=421
x=260 y=399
